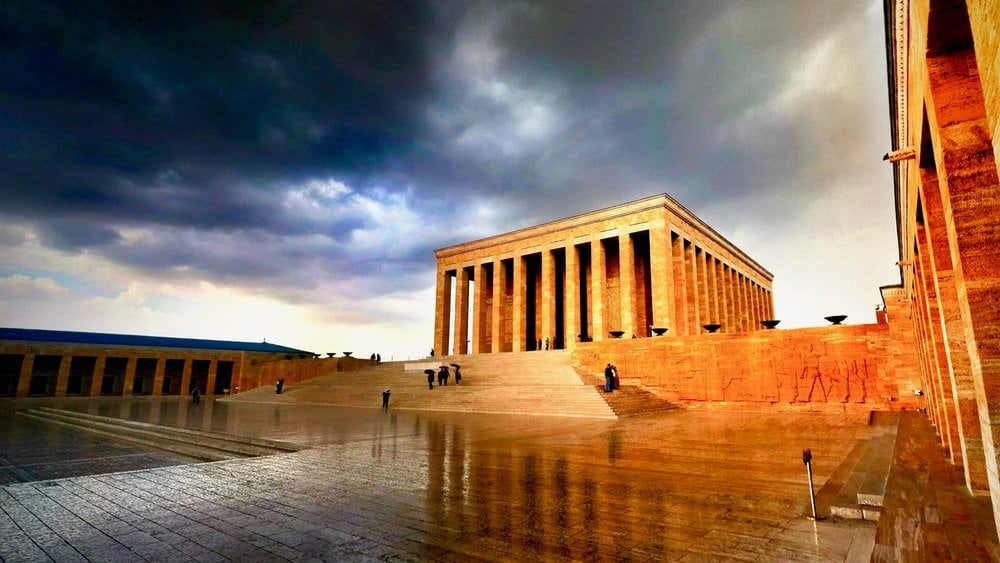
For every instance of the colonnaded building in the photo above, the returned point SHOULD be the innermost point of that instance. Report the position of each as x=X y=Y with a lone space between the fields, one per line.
x=944 y=93
x=59 y=363
x=634 y=269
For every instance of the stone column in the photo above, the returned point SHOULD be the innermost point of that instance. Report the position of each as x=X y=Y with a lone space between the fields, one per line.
x=161 y=367
x=956 y=352
x=718 y=270
x=519 y=313
x=942 y=380
x=186 y=377
x=707 y=298
x=499 y=304
x=479 y=308
x=598 y=271
x=693 y=302
x=213 y=371
x=129 y=381
x=967 y=170
x=98 y=378
x=24 y=380
x=661 y=277
x=711 y=287
x=62 y=379
x=679 y=286
x=925 y=351
x=460 y=339
x=548 y=297
x=744 y=304
x=626 y=281
x=442 y=312
x=571 y=300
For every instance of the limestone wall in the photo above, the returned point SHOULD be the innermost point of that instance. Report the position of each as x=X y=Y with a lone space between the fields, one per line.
x=848 y=367
x=265 y=374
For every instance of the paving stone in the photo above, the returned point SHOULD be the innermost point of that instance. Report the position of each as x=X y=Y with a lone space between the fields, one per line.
x=467 y=487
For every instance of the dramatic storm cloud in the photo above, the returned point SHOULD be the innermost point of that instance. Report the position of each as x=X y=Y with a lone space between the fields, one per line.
x=284 y=170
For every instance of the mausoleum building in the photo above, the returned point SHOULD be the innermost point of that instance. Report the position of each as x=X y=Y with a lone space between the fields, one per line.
x=629 y=270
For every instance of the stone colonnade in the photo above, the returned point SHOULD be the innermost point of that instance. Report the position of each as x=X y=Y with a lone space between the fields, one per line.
x=60 y=371
x=945 y=87
x=630 y=269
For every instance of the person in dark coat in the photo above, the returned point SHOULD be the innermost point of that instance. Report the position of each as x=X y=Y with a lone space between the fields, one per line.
x=385 y=399
x=195 y=395
x=609 y=378
x=458 y=374
x=430 y=378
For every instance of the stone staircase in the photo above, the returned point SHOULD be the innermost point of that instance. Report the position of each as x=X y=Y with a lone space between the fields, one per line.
x=541 y=383
x=856 y=490
x=628 y=400
x=198 y=444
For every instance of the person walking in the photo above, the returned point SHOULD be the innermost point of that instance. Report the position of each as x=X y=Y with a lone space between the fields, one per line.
x=616 y=382
x=385 y=399
x=609 y=374
x=458 y=374
x=430 y=378
x=195 y=395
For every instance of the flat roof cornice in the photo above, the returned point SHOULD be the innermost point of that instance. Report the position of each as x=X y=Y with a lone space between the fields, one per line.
x=663 y=201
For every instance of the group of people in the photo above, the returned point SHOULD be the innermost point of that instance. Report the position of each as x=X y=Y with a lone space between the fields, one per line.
x=376 y=359
x=279 y=385
x=611 y=380
x=443 y=375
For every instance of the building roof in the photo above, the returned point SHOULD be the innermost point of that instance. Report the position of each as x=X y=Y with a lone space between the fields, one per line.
x=139 y=341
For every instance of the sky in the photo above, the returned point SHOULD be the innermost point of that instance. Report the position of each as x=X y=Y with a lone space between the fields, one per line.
x=283 y=171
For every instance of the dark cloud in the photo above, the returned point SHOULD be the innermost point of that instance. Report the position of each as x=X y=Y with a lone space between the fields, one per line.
x=203 y=126
x=75 y=236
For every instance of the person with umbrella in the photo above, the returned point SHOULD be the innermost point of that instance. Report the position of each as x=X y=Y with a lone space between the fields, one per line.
x=443 y=375
x=430 y=378
x=458 y=373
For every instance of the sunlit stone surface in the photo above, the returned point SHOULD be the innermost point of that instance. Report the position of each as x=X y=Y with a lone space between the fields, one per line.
x=424 y=486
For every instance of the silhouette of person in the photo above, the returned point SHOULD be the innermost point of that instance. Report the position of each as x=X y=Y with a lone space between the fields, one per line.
x=385 y=399
x=546 y=342
x=195 y=395
x=458 y=375
x=609 y=375
x=430 y=379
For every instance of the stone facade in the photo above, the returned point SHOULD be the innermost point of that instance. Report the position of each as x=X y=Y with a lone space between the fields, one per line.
x=630 y=268
x=944 y=61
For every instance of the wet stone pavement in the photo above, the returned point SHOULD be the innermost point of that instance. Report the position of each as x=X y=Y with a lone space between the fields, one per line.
x=412 y=486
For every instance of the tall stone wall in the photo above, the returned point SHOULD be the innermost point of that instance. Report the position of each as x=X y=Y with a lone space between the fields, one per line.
x=264 y=374
x=845 y=367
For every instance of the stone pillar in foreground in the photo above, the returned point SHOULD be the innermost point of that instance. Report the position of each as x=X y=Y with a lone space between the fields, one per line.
x=442 y=312
x=626 y=282
x=598 y=272
x=967 y=172
x=460 y=339
x=661 y=277
x=956 y=351
x=571 y=298
x=519 y=314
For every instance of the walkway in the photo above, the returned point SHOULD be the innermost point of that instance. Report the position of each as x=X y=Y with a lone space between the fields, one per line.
x=412 y=486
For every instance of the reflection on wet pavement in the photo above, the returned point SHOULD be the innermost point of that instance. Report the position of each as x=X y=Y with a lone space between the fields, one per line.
x=444 y=486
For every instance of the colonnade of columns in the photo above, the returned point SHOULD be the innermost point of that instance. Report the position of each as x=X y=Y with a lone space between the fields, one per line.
x=58 y=374
x=588 y=287
x=948 y=215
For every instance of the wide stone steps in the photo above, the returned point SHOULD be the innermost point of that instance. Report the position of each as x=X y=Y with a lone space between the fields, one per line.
x=198 y=444
x=509 y=383
x=859 y=484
